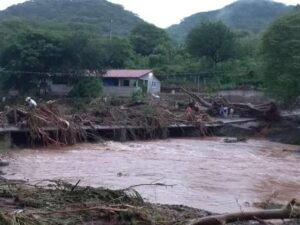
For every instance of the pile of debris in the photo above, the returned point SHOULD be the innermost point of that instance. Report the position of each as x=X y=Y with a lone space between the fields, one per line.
x=45 y=124
x=267 y=111
x=62 y=203
x=139 y=114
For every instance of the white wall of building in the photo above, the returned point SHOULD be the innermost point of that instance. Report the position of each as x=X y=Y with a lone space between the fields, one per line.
x=154 y=85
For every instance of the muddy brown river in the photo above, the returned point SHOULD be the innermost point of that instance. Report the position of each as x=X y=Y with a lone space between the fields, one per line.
x=206 y=173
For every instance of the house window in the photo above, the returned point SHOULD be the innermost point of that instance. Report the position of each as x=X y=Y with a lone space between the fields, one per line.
x=153 y=84
x=110 y=82
x=140 y=83
x=125 y=83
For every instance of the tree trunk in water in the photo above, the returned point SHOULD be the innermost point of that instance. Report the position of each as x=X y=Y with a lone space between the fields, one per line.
x=288 y=212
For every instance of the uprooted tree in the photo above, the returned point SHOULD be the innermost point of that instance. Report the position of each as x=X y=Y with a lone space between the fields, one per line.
x=267 y=111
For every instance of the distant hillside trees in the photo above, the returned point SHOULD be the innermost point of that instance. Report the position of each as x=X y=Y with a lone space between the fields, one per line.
x=281 y=57
x=145 y=38
x=248 y=15
x=95 y=16
x=215 y=41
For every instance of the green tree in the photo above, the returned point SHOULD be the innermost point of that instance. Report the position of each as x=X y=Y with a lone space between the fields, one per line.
x=30 y=54
x=33 y=55
x=281 y=57
x=215 y=41
x=146 y=37
x=115 y=53
x=81 y=52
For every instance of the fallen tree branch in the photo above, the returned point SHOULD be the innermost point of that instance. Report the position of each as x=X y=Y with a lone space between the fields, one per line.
x=288 y=212
x=154 y=184
x=197 y=98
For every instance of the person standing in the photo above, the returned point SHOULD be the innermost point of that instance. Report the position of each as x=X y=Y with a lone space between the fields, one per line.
x=32 y=104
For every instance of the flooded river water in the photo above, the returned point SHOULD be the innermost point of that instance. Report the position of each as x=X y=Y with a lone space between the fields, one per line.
x=206 y=173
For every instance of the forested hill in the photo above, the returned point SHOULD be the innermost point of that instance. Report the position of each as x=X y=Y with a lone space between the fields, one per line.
x=99 y=16
x=250 y=15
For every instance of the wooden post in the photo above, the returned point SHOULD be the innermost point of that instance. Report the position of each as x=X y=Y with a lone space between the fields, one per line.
x=165 y=133
x=123 y=135
x=6 y=140
x=15 y=116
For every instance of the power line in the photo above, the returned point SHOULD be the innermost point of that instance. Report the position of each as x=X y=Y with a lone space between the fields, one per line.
x=49 y=74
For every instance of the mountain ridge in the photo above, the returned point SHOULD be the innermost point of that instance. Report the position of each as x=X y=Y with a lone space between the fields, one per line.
x=250 y=15
x=104 y=16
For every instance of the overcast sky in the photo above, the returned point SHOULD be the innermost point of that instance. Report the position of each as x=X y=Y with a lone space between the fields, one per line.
x=164 y=13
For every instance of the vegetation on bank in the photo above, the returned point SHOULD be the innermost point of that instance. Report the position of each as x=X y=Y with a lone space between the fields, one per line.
x=213 y=54
x=281 y=54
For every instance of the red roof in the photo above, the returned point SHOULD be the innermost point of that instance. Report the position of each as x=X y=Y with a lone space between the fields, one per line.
x=126 y=73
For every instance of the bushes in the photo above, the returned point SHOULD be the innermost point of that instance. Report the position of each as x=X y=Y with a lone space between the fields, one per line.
x=137 y=95
x=87 y=87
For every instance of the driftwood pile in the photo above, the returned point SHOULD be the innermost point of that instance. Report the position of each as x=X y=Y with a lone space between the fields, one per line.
x=148 y=115
x=268 y=111
x=45 y=124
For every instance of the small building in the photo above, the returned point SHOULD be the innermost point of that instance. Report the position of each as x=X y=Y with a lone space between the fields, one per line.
x=125 y=82
x=115 y=82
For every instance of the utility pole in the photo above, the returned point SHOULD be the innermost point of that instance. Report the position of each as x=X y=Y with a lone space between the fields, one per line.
x=110 y=31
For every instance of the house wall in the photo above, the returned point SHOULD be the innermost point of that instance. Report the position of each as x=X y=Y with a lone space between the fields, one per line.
x=154 y=85
x=60 y=89
x=119 y=91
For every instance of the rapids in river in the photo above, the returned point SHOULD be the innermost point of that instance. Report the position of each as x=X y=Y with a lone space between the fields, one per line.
x=204 y=173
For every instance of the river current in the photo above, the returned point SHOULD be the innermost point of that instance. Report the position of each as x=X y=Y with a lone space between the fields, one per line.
x=204 y=173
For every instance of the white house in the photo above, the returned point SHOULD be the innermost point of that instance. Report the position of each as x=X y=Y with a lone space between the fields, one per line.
x=125 y=82
x=115 y=82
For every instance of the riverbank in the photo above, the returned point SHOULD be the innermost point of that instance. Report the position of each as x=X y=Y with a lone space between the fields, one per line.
x=61 y=203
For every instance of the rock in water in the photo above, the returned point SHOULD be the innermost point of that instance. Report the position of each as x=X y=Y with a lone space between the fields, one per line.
x=3 y=163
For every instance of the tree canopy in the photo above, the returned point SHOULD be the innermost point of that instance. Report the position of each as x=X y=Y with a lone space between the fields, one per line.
x=215 y=41
x=146 y=37
x=34 y=54
x=281 y=57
